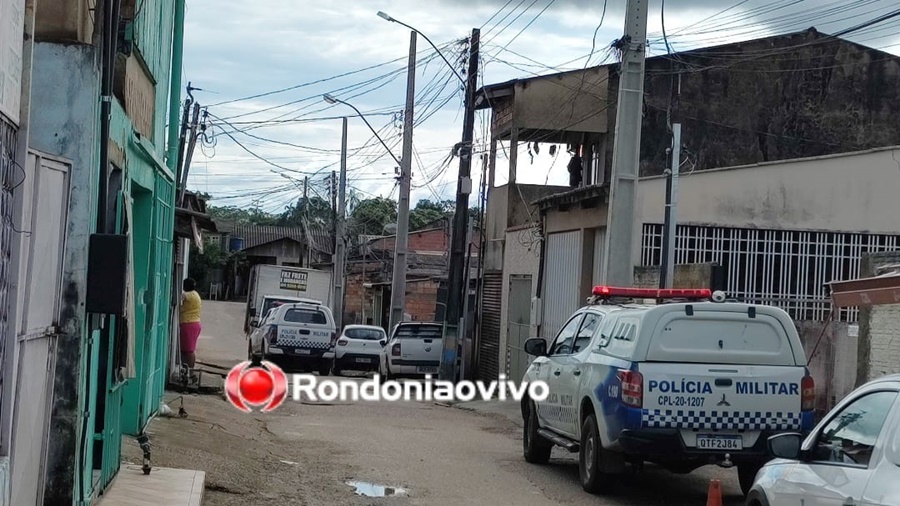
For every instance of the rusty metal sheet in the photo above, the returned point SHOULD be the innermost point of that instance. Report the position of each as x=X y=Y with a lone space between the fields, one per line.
x=866 y=292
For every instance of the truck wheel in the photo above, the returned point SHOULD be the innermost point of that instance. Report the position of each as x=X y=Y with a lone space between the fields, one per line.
x=536 y=448
x=335 y=369
x=324 y=368
x=592 y=480
x=747 y=474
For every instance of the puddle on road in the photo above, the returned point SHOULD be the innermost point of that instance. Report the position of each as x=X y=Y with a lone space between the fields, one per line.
x=374 y=490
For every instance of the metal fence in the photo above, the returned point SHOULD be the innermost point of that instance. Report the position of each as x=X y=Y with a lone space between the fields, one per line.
x=785 y=268
x=10 y=177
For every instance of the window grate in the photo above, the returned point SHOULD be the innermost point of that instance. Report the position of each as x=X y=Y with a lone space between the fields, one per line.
x=785 y=268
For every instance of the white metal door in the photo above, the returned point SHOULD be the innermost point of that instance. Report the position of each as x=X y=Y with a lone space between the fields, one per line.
x=45 y=210
x=562 y=266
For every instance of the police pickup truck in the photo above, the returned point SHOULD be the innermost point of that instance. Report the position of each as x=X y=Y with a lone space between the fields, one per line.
x=679 y=378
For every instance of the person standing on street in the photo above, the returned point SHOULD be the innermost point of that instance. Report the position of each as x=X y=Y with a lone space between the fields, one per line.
x=191 y=306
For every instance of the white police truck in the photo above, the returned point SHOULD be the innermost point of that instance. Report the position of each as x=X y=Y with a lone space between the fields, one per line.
x=676 y=377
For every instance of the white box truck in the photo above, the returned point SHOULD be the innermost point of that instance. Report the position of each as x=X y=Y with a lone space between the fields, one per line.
x=274 y=284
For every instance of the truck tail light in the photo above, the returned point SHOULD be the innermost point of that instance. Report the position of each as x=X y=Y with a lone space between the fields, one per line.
x=395 y=350
x=632 y=388
x=807 y=393
x=343 y=342
x=333 y=338
x=273 y=334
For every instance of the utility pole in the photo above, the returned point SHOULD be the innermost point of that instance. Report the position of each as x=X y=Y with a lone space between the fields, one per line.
x=398 y=284
x=192 y=142
x=456 y=277
x=304 y=216
x=667 y=274
x=620 y=233
x=340 y=256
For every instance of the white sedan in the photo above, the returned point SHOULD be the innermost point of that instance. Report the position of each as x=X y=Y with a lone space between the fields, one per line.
x=851 y=458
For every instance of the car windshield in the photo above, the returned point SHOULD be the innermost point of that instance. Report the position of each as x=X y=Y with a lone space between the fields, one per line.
x=301 y=315
x=364 y=334
x=419 y=331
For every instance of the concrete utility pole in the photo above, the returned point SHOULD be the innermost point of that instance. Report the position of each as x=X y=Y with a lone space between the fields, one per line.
x=667 y=276
x=456 y=292
x=305 y=217
x=398 y=285
x=340 y=256
x=192 y=142
x=620 y=233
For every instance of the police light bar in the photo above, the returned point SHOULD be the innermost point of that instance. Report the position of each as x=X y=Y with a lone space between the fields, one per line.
x=652 y=293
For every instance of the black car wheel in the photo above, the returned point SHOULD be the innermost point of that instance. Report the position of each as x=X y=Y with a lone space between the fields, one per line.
x=592 y=480
x=536 y=449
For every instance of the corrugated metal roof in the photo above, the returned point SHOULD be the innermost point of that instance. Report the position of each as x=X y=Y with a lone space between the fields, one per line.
x=257 y=235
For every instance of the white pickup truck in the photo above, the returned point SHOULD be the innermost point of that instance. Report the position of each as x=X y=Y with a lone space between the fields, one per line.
x=414 y=349
x=681 y=384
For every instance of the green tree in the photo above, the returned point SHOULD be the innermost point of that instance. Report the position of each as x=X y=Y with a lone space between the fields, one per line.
x=241 y=216
x=427 y=212
x=370 y=216
x=317 y=209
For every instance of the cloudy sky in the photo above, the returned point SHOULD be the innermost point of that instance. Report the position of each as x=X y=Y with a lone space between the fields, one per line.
x=263 y=66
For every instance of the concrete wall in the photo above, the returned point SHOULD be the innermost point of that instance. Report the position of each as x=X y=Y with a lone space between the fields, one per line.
x=879 y=328
x=832 y=360
x=495 y=226
x=521 y=257
x=64 y=116
x=853 y=193
x=685 y=276
x=284 y=251
x=566 y=101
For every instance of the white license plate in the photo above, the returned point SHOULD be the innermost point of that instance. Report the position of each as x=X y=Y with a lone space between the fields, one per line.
x=426 y=370
x=705 y=442
x=301 y=351
x=364 y=360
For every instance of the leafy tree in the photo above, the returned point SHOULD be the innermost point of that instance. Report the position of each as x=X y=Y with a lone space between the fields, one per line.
x=317 y=209
x=370 y=216
x=241 y=216
x=427 y=212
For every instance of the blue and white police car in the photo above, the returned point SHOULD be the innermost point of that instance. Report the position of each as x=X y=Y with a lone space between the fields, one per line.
x=679 y=378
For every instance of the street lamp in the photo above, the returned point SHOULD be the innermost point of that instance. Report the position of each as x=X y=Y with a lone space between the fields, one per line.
x=385 y=16
x=332 y=100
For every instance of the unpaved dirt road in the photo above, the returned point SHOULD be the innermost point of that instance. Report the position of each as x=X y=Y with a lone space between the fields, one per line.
x=306 y=454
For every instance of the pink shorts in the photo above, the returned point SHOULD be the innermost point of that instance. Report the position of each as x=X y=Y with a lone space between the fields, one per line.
x=190 y=334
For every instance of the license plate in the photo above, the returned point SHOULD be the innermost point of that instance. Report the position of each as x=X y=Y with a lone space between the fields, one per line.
x=426 y=370
x=301 y=351
x=705 y=442
x=364 y=360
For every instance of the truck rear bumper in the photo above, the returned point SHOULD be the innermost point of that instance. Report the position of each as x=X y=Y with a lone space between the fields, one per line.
x=667 y=445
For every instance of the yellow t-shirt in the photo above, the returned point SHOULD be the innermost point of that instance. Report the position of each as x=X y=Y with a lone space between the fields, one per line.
x=190 y=307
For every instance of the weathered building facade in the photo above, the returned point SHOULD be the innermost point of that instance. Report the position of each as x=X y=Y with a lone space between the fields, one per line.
x=773 y=230
x=103 y=372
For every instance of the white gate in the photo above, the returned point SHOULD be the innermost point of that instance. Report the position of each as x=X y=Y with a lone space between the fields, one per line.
x=45 y=199
x=562 y=270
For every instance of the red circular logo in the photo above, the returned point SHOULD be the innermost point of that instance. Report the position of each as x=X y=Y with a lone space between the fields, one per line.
x=264 y=385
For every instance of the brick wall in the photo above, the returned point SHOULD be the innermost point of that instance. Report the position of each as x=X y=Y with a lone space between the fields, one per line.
x=421 y=297
x=879 y=327
x=686 y=276
x=426 y=240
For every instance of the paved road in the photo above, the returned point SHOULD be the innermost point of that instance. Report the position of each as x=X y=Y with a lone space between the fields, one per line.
x=222 y=341
x=440 y=455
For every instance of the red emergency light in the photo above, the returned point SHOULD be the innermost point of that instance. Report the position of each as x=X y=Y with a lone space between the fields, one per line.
x=652 y=293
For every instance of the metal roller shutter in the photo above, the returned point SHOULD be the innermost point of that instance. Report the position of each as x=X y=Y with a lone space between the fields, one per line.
x=489 y=341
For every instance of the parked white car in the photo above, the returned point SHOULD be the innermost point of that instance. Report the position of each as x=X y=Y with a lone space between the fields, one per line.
x=414 y=349
x=358 y=349
x=298 y=335
x=852 y=457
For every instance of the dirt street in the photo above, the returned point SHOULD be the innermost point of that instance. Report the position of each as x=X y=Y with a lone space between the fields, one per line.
x=306 y=454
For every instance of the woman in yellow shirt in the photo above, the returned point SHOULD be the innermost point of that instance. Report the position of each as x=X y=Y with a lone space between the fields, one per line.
x=190 y=322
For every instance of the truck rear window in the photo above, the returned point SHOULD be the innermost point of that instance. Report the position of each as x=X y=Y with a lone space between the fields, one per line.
x=311 y=316
x=364 y=334
x=419 y=331
x=715 y=340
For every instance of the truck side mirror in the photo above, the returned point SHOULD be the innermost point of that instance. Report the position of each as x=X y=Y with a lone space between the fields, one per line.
x=254 y=323
x=536 y=346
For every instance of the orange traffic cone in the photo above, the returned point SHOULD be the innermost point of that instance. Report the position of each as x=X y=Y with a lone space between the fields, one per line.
x=714 y=498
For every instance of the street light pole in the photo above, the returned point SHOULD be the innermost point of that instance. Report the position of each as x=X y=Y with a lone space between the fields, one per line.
x=398 y=285
x=339 y=251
